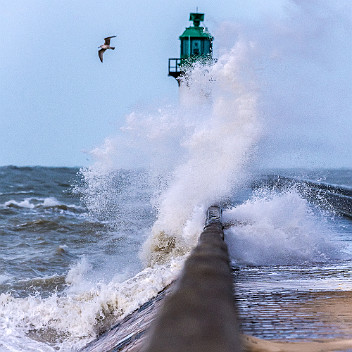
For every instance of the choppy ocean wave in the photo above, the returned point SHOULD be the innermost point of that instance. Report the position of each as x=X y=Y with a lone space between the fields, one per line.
x=44 y=203
x=85 y=308
x=276 y=228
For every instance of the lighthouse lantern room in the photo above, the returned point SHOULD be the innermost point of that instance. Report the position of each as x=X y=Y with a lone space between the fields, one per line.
x=196 y=45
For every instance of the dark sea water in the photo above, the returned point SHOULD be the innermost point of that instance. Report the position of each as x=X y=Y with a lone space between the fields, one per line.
x=40 y=219
x=67 y=242
x=70 y=245
x=44 y=228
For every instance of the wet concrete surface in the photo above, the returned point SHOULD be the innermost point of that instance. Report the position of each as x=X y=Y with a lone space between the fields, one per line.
x=295 y=303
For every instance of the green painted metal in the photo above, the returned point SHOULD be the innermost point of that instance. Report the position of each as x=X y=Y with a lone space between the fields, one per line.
x=196 y=46
x=196 y=41
x=196 y=18
x=196 y=32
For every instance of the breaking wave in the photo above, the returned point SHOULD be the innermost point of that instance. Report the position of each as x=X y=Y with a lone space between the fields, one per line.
x=275 y=228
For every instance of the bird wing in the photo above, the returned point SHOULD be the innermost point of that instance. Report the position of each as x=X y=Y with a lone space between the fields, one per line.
x=107 y=39
x=100 y=53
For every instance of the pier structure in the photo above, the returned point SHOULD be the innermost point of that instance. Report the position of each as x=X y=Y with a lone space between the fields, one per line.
x=327 y=196
x=196 y=313
x=200 y=314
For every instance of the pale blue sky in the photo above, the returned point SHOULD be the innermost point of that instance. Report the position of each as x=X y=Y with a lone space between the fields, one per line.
x=58 y=101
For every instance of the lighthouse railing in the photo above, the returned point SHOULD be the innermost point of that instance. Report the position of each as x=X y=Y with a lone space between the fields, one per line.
x=174 y=65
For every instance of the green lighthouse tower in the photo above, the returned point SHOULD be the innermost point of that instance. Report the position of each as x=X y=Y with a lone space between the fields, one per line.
x=196 y=45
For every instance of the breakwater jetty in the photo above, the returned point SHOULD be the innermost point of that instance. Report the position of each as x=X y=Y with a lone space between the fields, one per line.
x=196 y=313
x=329 y=196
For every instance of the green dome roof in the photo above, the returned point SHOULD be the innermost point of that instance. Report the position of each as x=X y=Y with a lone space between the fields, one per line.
x=196 y=32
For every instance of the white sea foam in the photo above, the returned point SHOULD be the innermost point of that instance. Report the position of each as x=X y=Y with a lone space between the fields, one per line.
x=279 y=228
x=33 y=202
x=4 y=278
x=50 y=202
x=26 y=203
x=84 y=307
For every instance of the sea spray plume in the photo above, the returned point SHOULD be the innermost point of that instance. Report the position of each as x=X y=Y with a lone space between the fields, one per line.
x=199 y=151
x=153 y=138
x=217 y=153
x=142 y=152
x=279 y=228
x=112 y=194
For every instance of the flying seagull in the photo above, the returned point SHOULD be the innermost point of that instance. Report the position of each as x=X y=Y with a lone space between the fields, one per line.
x=105 y=46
